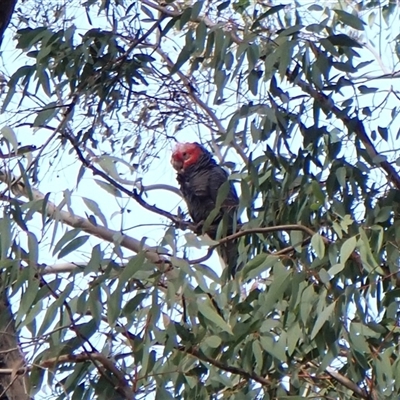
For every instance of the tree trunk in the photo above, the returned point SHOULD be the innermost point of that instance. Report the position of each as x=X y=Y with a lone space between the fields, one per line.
x=12 y=386
x=6 y=11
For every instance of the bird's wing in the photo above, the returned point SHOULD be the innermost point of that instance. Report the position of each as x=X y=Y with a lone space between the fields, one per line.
x=217 y=179
x=206 y=184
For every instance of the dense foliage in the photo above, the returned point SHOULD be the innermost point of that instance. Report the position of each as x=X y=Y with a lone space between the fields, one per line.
x=298 y=100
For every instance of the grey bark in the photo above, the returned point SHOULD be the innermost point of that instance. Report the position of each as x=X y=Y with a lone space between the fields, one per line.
x=13 y=386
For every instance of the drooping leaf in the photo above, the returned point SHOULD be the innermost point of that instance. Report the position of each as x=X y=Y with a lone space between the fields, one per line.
x=208 y=311
x=350 y=19
x=73 y=245
x=322 y=318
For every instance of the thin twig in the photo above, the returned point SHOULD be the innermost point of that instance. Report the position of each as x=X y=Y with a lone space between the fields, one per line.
x=353 y=125
x=192 y=93
x=346 y=382
x=228 y=368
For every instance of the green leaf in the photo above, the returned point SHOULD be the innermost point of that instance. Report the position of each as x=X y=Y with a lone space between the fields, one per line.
x=253 y=81
x=207 y=272
x=185 y=17
x=315 y=28
x=134 y=265
x=347 y=249
x=294 y=335
x=28 y=36
x=318 y=245
x=5 y=236
x=25 y=72
x=286 y=54
x=67 y=237
x=253 y=55
x=317 y=191
x=358 y=341
x=272 y=10
x=324 y=276
x=322 y=318
x=95 y=304
x=49 y=318
x=73 y=245
x=221 y=196
x=108 y=188
x=184 y=56
x=257 y=265
x=223 y=5
x=350 y=20
x=209 y=312
x=335 y=269
x=144 y=57
x=213 y=341
x=315 y=7
x=296 y=239
x=201 y=34
x=192 y=240
x=272 y=347
x=279 y=282
x=114 y=305
x=197 y=9
x=366 y=89
x=163 y=394
x=134 y=303
x=341 y=176
x=44 y=80
x=10 y=136
x=109 y=165
x=33 y=247
x=342 y=40
x=258 y=355
x=148 y=12
x=95 y=209
x=27 y=300
x=384 y=133
x=46 y=114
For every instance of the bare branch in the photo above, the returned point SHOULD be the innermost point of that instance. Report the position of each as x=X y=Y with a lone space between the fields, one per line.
x=269 y=229
x=161 y=186
x=347 y=383
x=290 y=227
x=60 y=268
x=229 y=368
x=131 y=193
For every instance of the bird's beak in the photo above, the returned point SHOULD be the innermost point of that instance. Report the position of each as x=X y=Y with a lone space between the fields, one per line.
x=177 y=164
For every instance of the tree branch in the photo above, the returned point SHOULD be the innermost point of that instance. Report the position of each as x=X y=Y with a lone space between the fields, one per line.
x=293 y=227
x=192 y=93
x=123 y=386
x=289 y=227
x=74 y=221
x=352 y=124
x=346 y=382
x=161 y=186
x=228 y=368
x=131 y=193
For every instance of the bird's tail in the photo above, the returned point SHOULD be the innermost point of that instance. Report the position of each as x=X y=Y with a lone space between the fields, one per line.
x=229 y=253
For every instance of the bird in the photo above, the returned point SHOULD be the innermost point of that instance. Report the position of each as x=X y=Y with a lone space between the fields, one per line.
x=200 y=178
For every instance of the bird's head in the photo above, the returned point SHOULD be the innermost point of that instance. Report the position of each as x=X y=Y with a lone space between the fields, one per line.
x=186 y=154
